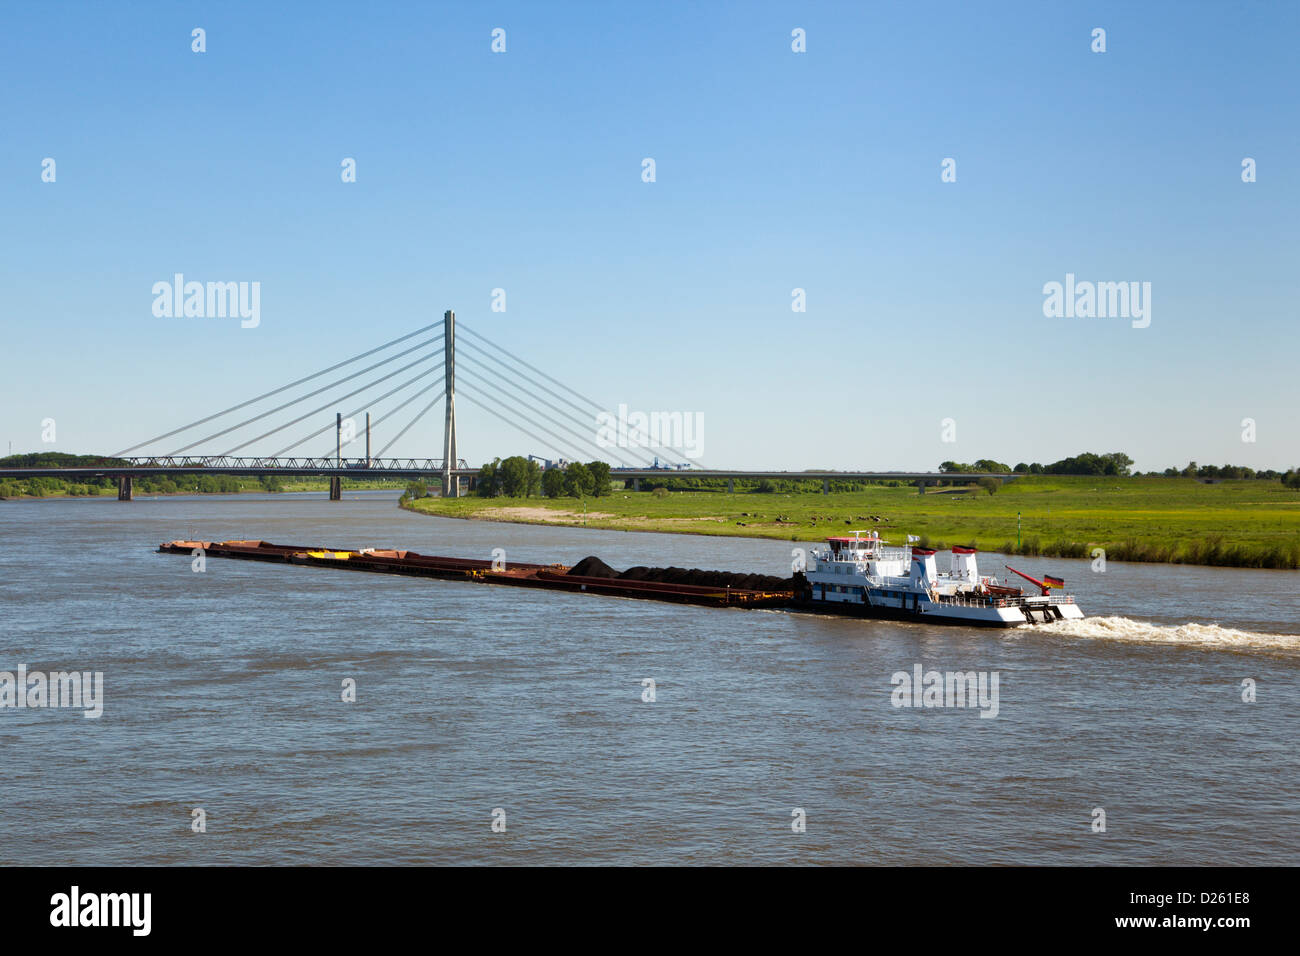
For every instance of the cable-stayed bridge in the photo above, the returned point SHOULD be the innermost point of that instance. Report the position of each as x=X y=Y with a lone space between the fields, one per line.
x=420 y=375
x=414 y=373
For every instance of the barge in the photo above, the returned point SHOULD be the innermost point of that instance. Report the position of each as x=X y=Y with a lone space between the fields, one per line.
x=859 y=576
x=555 y=577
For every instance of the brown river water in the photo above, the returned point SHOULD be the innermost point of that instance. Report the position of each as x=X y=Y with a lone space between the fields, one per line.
x=222 y=691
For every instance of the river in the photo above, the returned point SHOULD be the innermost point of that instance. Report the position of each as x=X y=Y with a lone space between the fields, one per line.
x=222 y=692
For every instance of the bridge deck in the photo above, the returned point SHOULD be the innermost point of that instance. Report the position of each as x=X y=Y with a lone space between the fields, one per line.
x=415 y=468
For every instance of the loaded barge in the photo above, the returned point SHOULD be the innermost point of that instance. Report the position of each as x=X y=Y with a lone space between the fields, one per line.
x=556 y=577
x=858 y=576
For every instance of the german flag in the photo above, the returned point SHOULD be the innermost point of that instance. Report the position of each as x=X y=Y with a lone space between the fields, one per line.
x=1053 y=582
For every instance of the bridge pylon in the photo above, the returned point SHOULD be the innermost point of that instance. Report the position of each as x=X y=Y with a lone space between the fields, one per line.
x=450 y=482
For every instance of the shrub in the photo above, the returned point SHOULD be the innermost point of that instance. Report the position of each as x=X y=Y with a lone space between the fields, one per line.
x=553 y=482
x=578 y=480
x=599 y=471
x=513 y=476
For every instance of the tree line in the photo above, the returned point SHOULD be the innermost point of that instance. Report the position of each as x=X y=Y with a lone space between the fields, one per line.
x=1119 y=465
x=520 y=477
x=1115 y=463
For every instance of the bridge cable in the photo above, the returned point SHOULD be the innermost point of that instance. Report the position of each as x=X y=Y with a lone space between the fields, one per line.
x=583 y=426
x=633 y=431
x=476 y=350
x=424 y=411
x=277 y=391
x=327 y=405
x=387 y=415
x=534 y=368
x=321 y=431
x=564 y=442
x=516 y=373
x=324 y=388
x=390 y=412
x=501 y=398
x=576 y=432
x=511 y=422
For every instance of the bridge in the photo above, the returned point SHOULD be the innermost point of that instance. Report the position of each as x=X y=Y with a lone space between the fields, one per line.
x=126 y=470
x=545 y=410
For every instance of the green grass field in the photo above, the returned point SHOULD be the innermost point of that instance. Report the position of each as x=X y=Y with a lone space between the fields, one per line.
x=1232 y=523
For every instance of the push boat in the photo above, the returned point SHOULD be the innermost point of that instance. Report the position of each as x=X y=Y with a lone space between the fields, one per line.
x=863 y=576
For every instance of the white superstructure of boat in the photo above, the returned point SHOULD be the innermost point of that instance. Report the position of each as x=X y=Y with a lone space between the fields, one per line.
x=863 y=575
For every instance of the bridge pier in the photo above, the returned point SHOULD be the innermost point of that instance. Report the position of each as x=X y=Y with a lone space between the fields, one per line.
x=826 y=486
x=636 y=484
x=124 y=488
x=336 y=489
x=731 y=486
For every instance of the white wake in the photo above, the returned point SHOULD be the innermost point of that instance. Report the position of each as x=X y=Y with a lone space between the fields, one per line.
x=1186 y=635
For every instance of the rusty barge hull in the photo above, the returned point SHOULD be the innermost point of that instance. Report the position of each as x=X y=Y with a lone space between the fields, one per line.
x=553 y=577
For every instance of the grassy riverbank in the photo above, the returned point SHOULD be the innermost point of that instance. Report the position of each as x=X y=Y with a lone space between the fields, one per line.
x=1253 y=524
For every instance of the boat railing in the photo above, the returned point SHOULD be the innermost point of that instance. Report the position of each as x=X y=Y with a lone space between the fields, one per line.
x=874 y=554
x=963 y=601
x=991 y=601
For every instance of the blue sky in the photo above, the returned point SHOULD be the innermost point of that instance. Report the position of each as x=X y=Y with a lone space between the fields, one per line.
x=774 y=170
